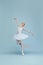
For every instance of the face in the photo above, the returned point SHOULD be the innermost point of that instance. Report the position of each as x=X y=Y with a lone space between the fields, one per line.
x=22 y=24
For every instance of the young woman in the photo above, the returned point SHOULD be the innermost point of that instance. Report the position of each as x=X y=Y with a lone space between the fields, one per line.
x=20 y=36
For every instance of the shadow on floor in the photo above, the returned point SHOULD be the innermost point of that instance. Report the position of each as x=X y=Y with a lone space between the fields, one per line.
x=19 y=53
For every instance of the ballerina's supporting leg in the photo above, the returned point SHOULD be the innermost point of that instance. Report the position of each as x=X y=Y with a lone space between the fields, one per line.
x=19 y=42
x=22 y=46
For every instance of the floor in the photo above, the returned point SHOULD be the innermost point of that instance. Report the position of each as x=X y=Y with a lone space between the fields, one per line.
x=18 y=59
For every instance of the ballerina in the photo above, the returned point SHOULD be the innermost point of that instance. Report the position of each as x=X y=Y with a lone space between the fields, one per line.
x=20 y=36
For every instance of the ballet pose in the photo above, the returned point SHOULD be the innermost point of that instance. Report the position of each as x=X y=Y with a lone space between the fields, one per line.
x=20 y=36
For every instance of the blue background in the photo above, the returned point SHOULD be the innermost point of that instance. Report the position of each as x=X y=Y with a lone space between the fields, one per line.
x=29 y=11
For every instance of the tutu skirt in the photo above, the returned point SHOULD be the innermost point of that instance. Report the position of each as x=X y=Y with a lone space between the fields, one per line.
x=20 y=36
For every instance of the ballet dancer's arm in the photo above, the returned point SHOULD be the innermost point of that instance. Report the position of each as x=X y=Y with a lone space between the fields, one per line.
x=29 y=31
x=16 y=22
x=32 y=33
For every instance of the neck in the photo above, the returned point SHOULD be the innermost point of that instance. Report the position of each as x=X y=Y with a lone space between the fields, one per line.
x=21 y=27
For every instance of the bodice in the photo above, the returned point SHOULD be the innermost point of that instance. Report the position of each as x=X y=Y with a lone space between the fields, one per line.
x=19 y=30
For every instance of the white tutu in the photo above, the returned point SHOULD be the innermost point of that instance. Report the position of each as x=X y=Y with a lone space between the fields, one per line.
x=20 y=35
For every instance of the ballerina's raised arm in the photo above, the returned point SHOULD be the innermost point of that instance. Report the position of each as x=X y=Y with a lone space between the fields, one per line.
x=29 y=32
x=16 y=22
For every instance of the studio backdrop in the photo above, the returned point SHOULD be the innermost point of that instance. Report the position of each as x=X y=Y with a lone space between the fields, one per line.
x=29 y=11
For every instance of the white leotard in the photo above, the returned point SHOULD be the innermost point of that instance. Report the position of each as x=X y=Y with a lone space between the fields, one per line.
x=20 y=35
